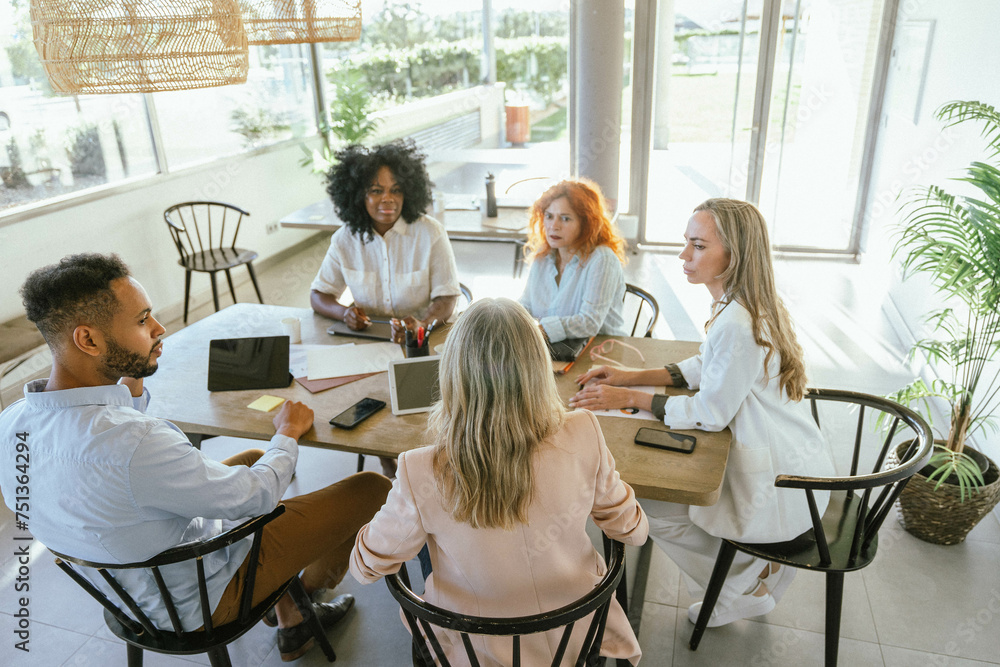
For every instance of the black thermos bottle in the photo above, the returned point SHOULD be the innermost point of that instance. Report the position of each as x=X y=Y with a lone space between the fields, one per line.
x=491 y=196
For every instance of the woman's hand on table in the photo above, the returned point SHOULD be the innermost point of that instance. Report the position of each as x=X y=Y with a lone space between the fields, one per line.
x=355 y=318
x=609 y=397
x=606 y=375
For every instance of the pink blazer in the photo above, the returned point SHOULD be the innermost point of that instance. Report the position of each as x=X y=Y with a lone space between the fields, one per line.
x=536 y=567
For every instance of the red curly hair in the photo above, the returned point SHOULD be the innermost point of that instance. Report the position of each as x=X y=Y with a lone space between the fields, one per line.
x=585 y=198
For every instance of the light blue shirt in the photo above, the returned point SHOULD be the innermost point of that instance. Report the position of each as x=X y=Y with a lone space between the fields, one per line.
x=108 y=484
x=586 y=301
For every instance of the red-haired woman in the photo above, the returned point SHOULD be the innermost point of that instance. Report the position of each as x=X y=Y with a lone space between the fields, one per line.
x=576 y=282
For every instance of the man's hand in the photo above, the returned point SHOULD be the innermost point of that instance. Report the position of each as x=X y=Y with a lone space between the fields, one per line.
x=356 y=319
x=294 y=419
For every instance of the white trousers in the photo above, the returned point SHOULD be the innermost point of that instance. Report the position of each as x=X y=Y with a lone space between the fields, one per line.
x=694 y=551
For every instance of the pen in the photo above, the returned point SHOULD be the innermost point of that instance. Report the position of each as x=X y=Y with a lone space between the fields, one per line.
x=409 y=337
x=420 y=336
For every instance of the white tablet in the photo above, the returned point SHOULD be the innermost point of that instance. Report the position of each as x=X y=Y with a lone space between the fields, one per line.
x=413 y=384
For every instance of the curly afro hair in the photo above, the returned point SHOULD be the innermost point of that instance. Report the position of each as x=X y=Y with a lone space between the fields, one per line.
x=354 y=171
x=75 y=291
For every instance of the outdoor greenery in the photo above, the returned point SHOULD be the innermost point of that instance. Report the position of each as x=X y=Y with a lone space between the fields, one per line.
x=431 y=68
x=955 y=239
x=256 y=123
x=351 y=120
x=83 y=150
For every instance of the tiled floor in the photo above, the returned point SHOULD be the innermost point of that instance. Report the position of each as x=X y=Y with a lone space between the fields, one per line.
x=918 y=604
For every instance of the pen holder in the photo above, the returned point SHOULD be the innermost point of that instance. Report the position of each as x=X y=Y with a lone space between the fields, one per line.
x=414 y=350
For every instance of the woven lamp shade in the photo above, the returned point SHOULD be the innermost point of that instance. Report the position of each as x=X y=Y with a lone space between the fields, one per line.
x=299 y=21
x=96 y=46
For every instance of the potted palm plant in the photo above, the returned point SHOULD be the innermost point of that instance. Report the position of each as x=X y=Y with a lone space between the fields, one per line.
x=955 y=239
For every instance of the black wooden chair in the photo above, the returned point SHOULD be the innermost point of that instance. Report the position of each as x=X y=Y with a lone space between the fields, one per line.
x=643 y=299
x=132 y=626
x=845 y=539
x=204 y=233
x=421 y=615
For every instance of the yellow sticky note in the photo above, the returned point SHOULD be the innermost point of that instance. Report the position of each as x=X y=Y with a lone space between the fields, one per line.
x=266 y=403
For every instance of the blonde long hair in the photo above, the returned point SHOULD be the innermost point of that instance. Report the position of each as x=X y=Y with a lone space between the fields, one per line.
x=498 y=401
x=749 y=281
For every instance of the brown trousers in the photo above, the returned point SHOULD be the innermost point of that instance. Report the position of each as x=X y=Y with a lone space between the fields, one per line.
x=316 y=534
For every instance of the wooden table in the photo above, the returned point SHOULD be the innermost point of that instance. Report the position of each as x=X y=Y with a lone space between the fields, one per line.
x=510 y=224
x=179 y=394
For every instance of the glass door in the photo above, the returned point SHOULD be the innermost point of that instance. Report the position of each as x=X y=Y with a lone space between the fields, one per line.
x=822 y=86
x=706 y=66
x=764 y=100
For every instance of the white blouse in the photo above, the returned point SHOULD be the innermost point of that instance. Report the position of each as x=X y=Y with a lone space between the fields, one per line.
x=586 y=301
x=771 y=434
x=395 y=275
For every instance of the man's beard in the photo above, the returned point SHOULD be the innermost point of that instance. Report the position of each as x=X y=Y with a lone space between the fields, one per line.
x=120 y=362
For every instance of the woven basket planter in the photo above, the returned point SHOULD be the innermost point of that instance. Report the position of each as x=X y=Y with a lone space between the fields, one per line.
x=99 y=46
x=939 y=516
x=301 y=21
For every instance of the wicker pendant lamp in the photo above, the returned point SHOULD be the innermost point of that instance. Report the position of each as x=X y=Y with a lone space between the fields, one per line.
x=98 y=46
x=299 y=21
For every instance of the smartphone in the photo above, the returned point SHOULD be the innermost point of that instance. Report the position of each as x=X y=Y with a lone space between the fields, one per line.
x=357 y=413
x=675 y=442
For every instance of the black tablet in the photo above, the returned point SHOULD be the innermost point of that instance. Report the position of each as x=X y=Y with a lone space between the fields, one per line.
x=568 y=349
x=248 y=363
x=376 y=330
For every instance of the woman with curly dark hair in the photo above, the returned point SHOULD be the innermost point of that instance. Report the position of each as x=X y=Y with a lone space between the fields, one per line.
x=396 y=260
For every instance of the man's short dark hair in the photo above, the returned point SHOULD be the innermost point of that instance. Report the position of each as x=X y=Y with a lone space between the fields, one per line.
x=75 y=291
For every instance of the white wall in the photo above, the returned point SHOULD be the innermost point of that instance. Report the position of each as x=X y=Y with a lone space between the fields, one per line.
x=914 y=149
x=268 y=184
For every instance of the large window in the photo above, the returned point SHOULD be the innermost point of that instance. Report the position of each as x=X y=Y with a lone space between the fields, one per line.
x=791 y=138
x=52 y=145
x=423 y=71
x=275 y=104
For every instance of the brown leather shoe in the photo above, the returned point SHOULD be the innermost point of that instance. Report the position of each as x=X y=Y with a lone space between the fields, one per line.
x=293 y=642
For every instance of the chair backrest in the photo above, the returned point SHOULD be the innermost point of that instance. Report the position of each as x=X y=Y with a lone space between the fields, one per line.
x=871 y=509
x=134 y=618
x=421 y=615
x=466 y=293
x=646 y=299
x=203 y=226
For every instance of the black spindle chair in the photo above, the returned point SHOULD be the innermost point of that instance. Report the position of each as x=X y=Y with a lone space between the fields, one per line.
x=422 y=617
x=643 y=299
x=129 y=623
x=845 y=538
x=204 y=233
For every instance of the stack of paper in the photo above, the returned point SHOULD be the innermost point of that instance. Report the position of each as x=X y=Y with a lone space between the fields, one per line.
x=330 y=361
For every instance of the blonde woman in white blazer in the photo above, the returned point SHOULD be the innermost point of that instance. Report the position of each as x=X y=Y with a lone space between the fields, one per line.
x=750 y=377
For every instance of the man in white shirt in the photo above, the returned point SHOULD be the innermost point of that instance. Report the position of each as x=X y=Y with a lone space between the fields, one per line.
x=109 y=484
